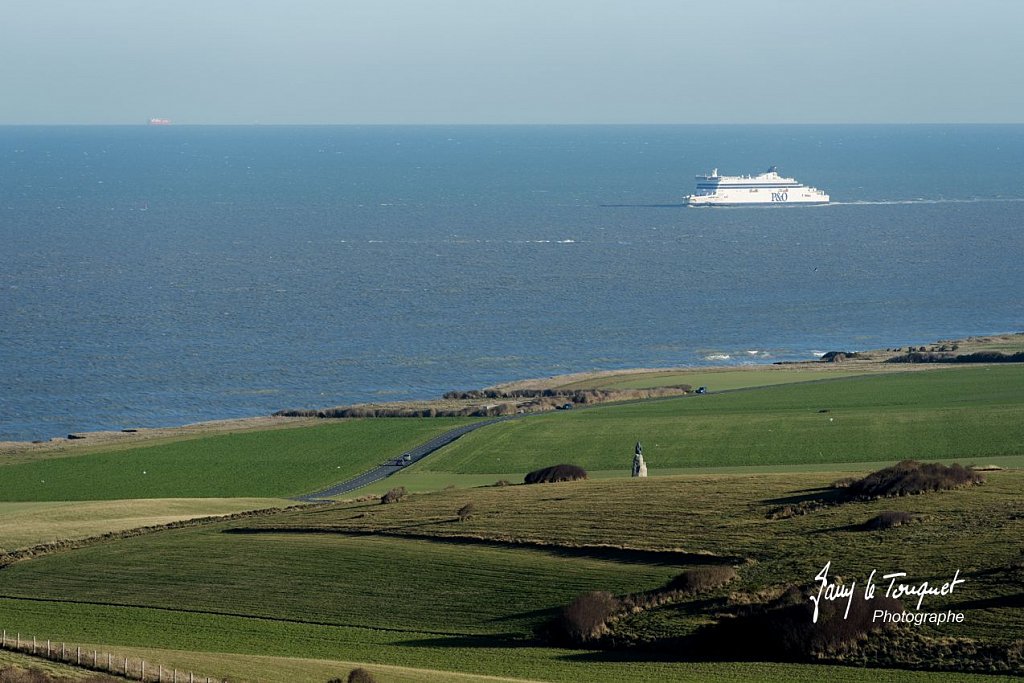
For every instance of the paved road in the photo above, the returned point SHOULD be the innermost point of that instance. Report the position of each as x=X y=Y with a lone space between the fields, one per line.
x=386 y=469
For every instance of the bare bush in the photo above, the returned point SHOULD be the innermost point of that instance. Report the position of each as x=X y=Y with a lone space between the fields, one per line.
x=394 y=495
x=466 y=511
x=586 y=617
x=703 y=579
x=843 y=483
x=502 y=482
x=360 y=675
x=556 y=473
x=910 y=477
x=889 y=519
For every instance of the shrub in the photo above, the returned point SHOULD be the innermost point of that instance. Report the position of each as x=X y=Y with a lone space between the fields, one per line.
x=394 y=495
x=502 y=482
x=360 y=675
x=703 y=579
x=889 y=520
x=783 y=630
x=910 y=477
x=843 y=483
x=466 y=511
x=556 y=473
x=586 y=617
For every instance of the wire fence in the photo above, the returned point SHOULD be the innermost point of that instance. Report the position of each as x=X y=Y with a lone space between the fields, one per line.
x=131 y=668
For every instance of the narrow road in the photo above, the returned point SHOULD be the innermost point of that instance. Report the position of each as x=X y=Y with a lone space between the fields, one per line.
x=386 y=469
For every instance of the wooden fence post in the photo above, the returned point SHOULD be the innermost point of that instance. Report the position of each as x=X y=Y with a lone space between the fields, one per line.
x=108 y=661
x=34 y=649
x=142 y=670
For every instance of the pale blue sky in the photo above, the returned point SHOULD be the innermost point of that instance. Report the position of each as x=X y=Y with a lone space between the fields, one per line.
x=516 y=61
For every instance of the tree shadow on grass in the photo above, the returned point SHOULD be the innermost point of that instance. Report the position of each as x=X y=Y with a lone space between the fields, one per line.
x=826 y=495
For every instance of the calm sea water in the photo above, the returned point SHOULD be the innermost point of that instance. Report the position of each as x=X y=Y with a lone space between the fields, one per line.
x=157 y=276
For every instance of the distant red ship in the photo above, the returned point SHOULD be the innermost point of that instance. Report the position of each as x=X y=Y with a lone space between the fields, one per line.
x=159 y=122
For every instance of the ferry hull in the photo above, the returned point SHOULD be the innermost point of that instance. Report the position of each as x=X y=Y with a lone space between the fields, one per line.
x=765 y=189
x=711 y=201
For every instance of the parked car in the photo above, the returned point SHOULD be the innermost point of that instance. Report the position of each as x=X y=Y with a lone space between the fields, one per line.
x=702 y=390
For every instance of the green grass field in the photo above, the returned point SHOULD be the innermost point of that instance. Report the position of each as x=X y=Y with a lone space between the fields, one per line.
x=412 y=591
x=722 y=379
x=965 y=413
x=27 y=524
x=333 y=592
x=261 y=464
x=974 y=530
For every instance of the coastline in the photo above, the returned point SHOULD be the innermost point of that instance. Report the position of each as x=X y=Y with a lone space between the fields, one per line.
x=482 y=402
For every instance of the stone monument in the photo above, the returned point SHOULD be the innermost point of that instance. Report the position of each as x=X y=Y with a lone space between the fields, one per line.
x=639 y=466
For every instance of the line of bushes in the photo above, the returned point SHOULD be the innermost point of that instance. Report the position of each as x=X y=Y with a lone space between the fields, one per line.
x=589 y=617
x=509 y=403
x=977 y=357
x=573 y=395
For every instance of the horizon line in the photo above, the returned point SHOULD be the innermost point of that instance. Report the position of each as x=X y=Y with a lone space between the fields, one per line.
x=257 y=124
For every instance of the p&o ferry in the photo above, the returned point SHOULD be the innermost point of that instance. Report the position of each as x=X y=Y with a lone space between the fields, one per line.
x=743 y=190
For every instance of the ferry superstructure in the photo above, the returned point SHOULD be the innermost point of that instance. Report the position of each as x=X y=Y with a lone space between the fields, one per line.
x=744 y=190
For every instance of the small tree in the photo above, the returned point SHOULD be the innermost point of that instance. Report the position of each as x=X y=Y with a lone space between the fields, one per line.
x=361 y=675
x=466 y=511
x=394 y=495
x=586 y=617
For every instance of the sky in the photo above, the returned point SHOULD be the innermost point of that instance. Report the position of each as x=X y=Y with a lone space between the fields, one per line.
x=511 y=61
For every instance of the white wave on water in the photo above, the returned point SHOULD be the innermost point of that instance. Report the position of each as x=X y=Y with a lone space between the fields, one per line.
x=818 y=354
x=923 y=200
x=717 y=356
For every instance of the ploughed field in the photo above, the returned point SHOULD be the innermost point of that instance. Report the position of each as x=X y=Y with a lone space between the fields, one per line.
x=413 y=592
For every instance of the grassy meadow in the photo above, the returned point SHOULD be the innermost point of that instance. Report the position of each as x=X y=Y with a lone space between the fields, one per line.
x=28 y=524
x=258 y=464
x=968 y=413
x=415 y=594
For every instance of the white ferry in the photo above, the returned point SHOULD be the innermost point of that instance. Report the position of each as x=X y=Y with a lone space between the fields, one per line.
x=743 y=190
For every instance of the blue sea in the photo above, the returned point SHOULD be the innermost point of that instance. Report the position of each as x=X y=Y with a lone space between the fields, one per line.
x=155 y=276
